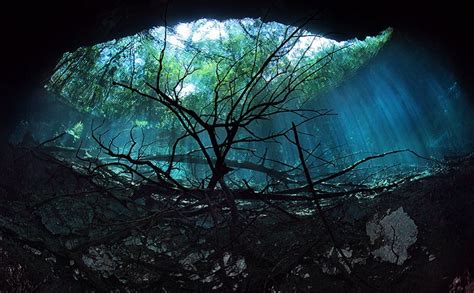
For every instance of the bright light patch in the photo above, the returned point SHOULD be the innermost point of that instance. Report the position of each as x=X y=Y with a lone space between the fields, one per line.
x=186 y=90
x=175 y=41
x=210 y=30
x=215 y=33
x=139 y=61
x=157 y=32
x=183 y=30
x=312 y=45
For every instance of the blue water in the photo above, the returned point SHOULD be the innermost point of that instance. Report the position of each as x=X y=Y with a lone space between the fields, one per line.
x=407 y=97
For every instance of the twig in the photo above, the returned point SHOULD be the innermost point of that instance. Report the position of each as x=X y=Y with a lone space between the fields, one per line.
x=321 y=213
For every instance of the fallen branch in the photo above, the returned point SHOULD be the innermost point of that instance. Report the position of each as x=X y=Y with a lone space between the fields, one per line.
x=347 y=269
x=180 y=158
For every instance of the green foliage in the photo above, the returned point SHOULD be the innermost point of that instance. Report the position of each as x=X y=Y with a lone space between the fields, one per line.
x=141 y=123
x=76 y=130
x=202 y=59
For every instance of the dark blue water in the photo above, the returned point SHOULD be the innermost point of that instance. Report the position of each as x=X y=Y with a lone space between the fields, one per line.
x=406 y=97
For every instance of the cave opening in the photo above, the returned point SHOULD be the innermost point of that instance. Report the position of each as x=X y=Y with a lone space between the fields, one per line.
x=240 y=155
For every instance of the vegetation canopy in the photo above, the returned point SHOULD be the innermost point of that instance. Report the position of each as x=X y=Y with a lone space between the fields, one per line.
x=202 y=60
x=210 y=89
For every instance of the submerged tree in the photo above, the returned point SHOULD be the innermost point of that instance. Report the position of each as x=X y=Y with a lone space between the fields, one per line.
x=210 y=89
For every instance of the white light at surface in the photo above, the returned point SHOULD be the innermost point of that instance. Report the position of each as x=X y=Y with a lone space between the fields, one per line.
x=139 y=61
x=183 y=30
x=186 y=90
x=175 y=41
x=215 y=32
x=209 y=30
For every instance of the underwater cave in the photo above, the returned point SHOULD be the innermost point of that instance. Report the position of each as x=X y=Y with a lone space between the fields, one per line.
x=200 y=147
